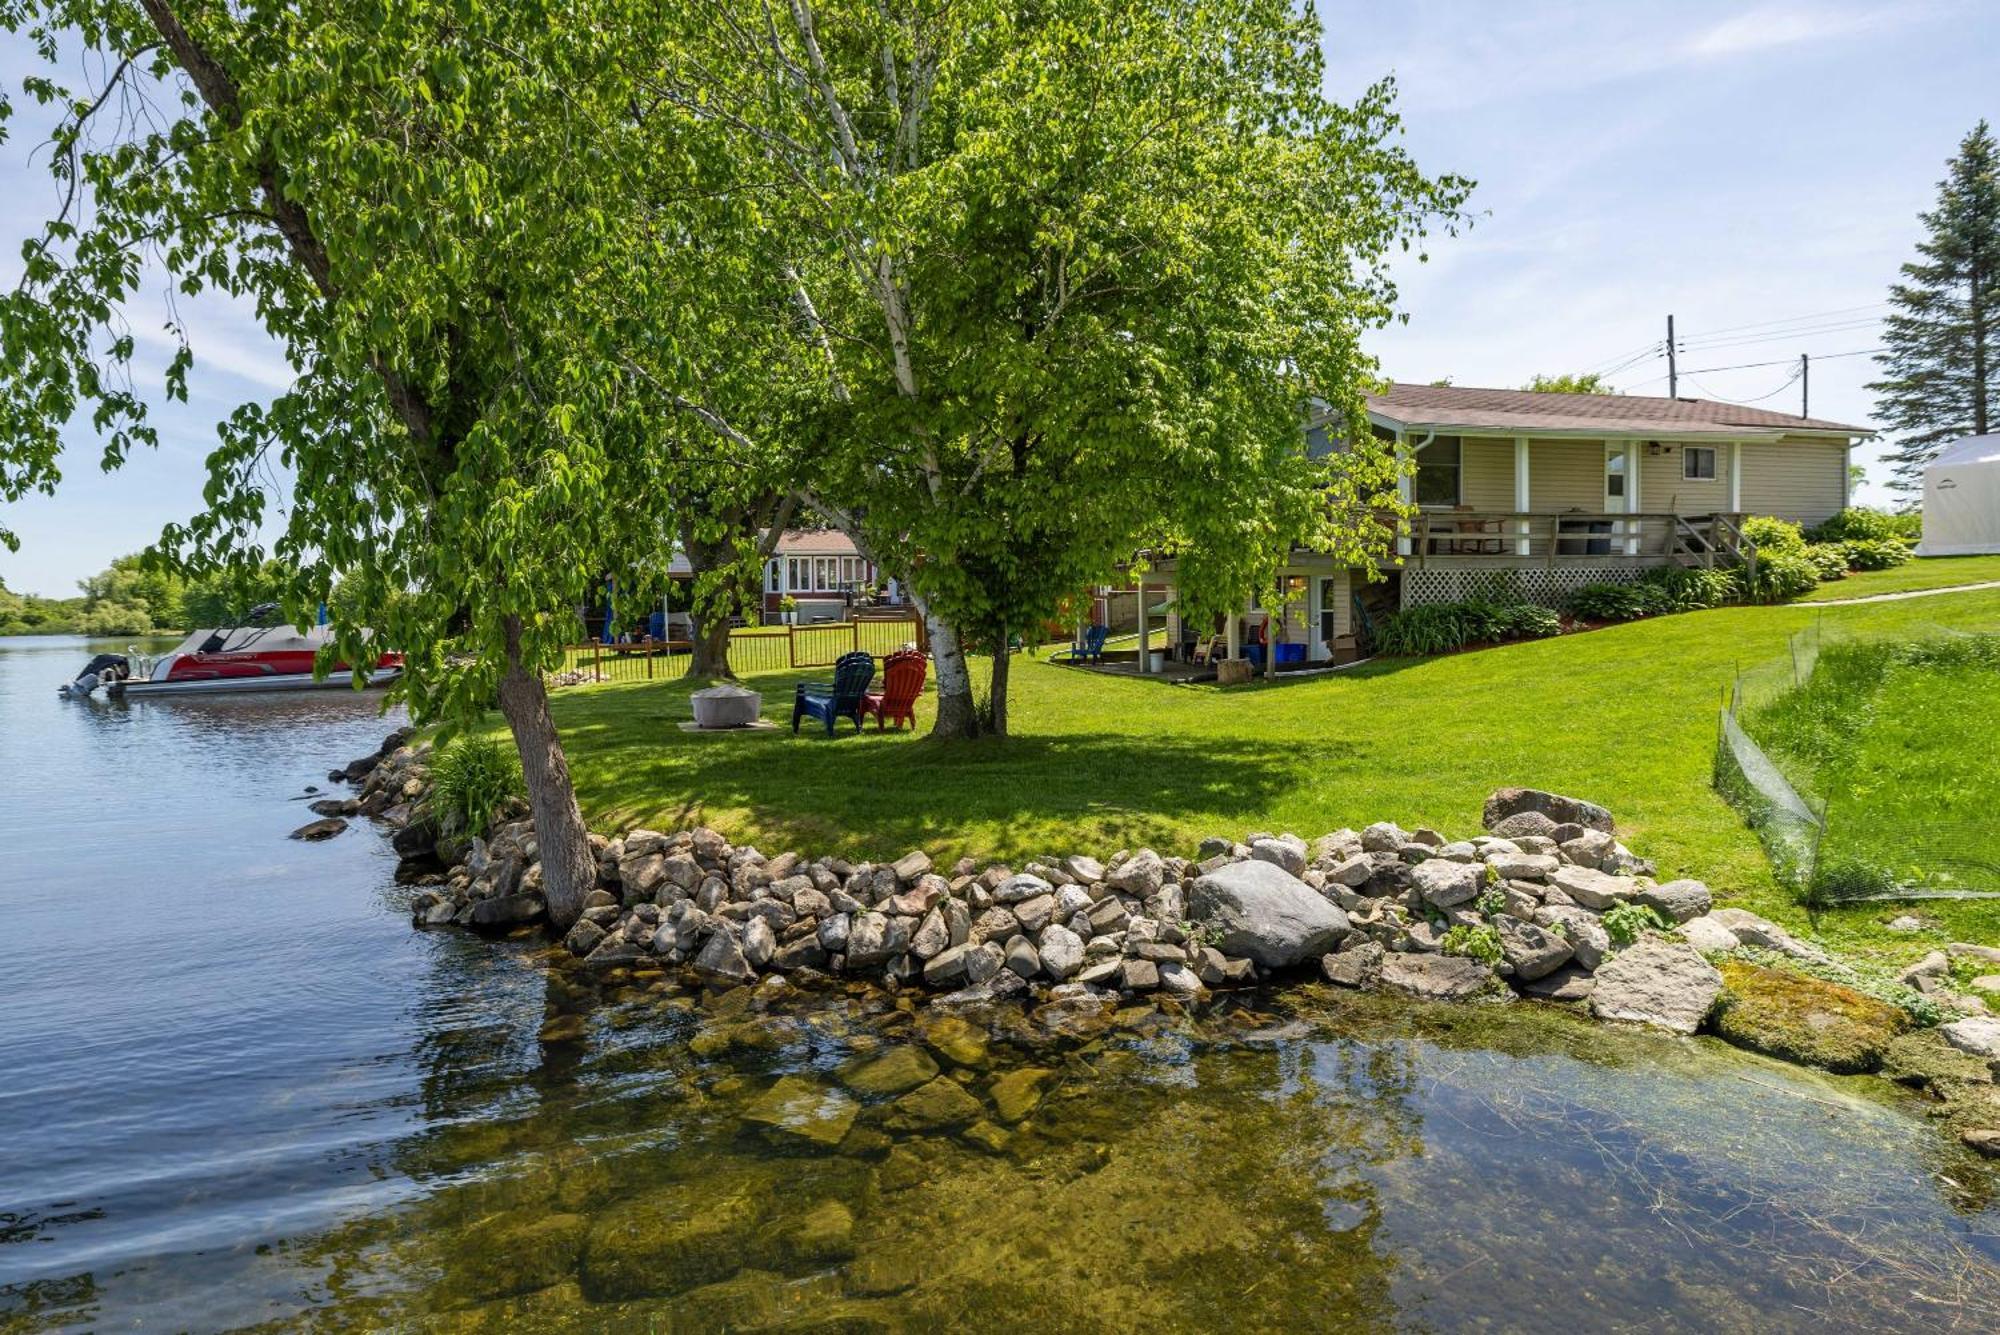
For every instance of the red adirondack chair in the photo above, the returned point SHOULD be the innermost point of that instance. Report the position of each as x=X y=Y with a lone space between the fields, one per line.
x=902 y=682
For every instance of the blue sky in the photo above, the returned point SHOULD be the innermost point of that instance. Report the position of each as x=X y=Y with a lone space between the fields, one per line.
x=1733 y=164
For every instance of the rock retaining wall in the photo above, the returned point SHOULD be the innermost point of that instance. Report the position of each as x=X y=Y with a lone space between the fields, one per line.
x=1545 y=903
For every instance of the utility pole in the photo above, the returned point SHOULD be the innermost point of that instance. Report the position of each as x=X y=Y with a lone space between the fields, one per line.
x=1805 y=385
x=1673 y=374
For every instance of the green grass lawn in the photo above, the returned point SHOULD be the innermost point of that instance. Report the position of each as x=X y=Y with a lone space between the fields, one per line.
x=1930 y=572
x=1625 y=716
x=1892 y=736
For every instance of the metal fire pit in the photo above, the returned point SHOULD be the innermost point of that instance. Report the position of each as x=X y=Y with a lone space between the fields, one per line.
x=726 y=707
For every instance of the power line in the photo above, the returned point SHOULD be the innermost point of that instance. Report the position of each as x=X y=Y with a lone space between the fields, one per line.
x=1798 y=319
x=1789 y=381
x=1785 y=361
x=1702 y=344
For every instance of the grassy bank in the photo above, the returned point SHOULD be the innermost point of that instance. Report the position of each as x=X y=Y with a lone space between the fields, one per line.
x=1625 y=716
x=1892 y=737
x=1933 y=572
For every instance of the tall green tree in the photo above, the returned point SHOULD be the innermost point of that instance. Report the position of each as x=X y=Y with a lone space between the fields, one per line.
x=1078 y=273
x=1941 y=359
x=427 y=204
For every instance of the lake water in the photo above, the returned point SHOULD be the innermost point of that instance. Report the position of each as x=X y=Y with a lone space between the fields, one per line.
x=236 y=1089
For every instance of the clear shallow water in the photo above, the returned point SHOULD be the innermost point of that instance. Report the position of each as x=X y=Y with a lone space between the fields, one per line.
x=236 y=1089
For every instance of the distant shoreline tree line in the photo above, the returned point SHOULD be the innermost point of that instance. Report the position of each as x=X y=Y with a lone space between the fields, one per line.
x=131 y=597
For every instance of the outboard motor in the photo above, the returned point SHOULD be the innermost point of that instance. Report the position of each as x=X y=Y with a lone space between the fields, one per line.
x=102 y=670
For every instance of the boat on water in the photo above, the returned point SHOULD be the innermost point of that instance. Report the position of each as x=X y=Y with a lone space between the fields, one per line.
x=250 y=657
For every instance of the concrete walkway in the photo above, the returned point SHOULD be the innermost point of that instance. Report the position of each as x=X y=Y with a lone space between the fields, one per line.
x=1906 y=593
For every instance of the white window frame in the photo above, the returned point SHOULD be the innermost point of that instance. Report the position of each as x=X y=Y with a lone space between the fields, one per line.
x=1688 y=454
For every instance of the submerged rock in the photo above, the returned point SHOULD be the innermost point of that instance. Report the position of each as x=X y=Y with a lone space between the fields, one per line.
x=896 y=1071
x=803 y=1108
x=667 y=1242
x=325 y=828
x=506 y=1254
x=931 y=1107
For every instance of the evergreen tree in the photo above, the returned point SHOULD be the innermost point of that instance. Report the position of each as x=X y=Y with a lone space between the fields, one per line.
x=1941 y=359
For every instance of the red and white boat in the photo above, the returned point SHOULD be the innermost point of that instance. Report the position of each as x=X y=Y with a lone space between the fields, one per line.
x=243 y=658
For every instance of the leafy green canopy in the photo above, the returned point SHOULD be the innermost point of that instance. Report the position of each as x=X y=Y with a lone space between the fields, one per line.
x=425 y=203
x=1079 y=274
x=1941 y=363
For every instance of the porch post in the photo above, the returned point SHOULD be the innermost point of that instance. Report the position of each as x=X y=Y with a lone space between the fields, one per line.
x=1405 y=487
x=1736 y=477
x=1233 y=634
x=1634 y=526
x=1522 y=493
x=1145 y=659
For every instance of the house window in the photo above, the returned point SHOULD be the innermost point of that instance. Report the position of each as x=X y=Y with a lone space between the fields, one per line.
x=826 y=573
x=1438 y=472
x=1698 y=463
x=850 y=572
x=771 y=584
x=798 y=574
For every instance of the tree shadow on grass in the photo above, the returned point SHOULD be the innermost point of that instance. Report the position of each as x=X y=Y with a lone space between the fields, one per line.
x=875 y=795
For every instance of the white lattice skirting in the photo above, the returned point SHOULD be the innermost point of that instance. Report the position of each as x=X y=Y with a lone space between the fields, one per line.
x=1540 y=585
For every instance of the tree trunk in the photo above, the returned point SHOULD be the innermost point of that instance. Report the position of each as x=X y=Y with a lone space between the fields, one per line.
x=957 y=716
x=569 y=869
x=709 y=613
x=710 y=658
x=1002 y=660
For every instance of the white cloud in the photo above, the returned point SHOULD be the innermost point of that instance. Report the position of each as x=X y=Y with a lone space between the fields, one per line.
x=1773 y=26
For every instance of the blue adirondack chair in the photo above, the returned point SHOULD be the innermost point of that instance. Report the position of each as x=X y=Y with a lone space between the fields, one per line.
x=840 y=698
x=1091 y=650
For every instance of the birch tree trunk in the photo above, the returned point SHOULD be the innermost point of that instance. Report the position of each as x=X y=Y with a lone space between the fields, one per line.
x=957 y=714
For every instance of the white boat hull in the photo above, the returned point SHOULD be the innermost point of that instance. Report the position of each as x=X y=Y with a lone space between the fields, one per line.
x=276 y=682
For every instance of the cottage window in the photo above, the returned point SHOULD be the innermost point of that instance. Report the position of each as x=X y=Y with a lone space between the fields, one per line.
x=1437 y=480
x=798 y=573
x=1698 y=463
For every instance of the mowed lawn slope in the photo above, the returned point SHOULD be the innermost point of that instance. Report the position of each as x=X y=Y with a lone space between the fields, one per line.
x=1625 y=716
x=1930 y=572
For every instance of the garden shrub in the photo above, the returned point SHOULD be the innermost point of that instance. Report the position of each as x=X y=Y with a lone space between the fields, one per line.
x=1773 y=535
x=1875 y=553
x=1690 y=589
x=471 y=779
x=1436 y=628
x=1608 y=602
x=1626 y=923
x=1781 y=575
x=1829 y=560
x=1860 y=524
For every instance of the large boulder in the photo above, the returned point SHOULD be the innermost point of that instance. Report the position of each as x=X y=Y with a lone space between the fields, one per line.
x=1265 y=913
x=1560 y=810
x=1658 y=980
x=1804 y=1019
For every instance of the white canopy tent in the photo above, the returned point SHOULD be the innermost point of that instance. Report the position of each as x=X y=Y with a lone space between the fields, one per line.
x=1962 y=499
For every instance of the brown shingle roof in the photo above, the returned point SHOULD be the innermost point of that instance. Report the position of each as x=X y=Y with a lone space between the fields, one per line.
x=1520 y=410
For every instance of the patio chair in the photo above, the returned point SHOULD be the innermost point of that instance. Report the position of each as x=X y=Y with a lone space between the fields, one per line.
x=902 y=682
x=1089 y=650
x=829 y=701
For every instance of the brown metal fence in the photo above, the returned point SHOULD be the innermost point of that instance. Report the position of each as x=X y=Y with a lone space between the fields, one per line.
x=752 y=650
